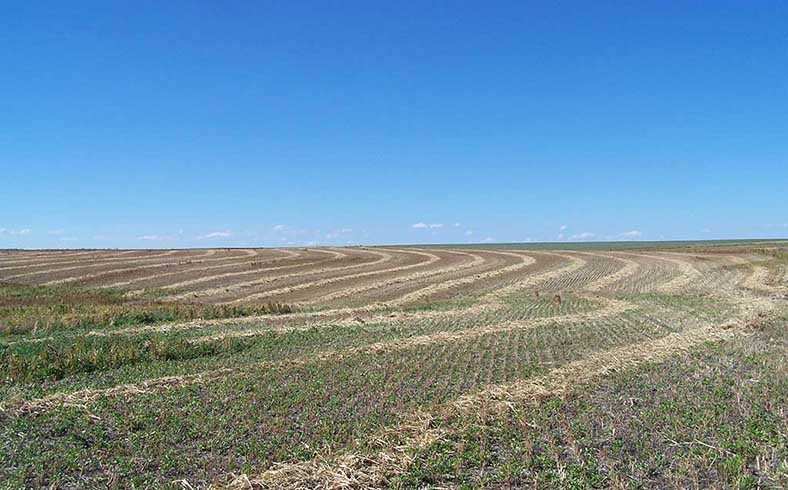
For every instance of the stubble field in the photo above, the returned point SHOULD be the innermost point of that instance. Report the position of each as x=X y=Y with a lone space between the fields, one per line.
x=395 y=367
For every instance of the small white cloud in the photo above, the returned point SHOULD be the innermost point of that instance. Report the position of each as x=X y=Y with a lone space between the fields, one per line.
x=705 y=230
x=69 y=239
x=563 y=227
x=421 y=226
x=457 y=225
x=631 y=234
x=489 y=239
x=151 y=238
x=22 y=232
x=560 y=236
x=331 y=235
x=279 y=227
x=469 y=232
x=583 y=236
x=215 y=234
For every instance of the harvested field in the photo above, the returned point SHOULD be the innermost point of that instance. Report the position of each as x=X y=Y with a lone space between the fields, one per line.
x=390 y=367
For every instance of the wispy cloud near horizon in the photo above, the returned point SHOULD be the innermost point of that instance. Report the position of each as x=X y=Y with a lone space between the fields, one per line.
x=215 y=234
x=631 y=235
x=586 y=235
x=22 y=232
x=423 y=226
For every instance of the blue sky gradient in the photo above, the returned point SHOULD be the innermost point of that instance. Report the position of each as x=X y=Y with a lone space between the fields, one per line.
x=179 y=124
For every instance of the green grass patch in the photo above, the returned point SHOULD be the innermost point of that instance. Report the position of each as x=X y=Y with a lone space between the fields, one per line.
x=33 y=310
x=712 y=419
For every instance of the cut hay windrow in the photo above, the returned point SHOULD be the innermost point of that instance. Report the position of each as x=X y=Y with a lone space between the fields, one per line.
x=375 y=313
x=100 y=259
x=525 y=261
x=356 y=393
x=574 y=264
x=427 y=291
x=286 y=255
x=81 y=398
x=432 y=258
x=629 y=269
x=354 y=290
x=332 y=280
x=95 y=264
x=687 y=274
x=396 y=445
x=597 y=266
x=214 y=291
x=59 y=256
x=488 y=302
x=182 y=262
x=333 y=255
x=758 y=280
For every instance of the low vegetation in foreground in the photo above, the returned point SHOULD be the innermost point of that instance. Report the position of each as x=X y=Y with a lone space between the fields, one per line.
x=396 y=368
x=713 y=418
x=44 y=310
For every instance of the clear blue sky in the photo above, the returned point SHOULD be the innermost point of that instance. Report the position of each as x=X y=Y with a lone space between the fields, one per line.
x=185 y=123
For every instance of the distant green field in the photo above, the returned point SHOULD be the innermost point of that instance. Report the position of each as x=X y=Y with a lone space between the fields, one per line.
x=621 y=245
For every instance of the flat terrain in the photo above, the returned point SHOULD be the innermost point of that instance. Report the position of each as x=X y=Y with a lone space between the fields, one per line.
x=395 y=367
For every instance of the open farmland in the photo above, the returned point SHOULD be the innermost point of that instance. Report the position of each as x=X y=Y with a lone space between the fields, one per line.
x=402 y=367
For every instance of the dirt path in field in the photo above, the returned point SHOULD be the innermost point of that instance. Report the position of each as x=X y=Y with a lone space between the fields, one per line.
x=431 y=258
x=287 y=254
x=182 y=262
